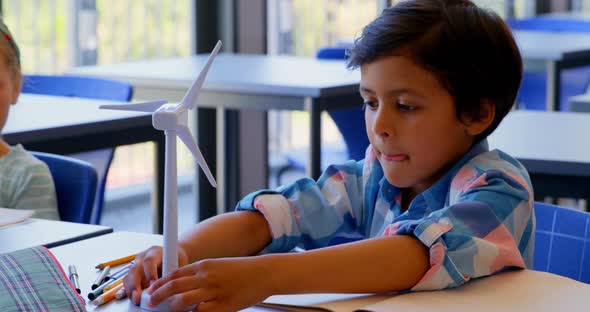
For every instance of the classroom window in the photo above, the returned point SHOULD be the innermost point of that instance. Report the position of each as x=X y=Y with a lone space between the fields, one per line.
x=55 y=35
x=301 y=27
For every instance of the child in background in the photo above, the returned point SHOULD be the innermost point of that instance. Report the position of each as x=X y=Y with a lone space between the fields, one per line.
x=430 y=207
x=25 y=181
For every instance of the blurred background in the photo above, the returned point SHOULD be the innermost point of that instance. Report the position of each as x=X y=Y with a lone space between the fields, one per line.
x=55 y=35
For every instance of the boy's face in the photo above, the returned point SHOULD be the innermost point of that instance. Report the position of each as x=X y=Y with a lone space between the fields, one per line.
x=411 y=122
x=9 y=91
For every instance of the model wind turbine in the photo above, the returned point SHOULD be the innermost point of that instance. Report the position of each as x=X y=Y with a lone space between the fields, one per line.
x=172 y=119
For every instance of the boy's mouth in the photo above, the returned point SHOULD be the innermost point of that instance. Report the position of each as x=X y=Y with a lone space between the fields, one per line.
x=394 y=157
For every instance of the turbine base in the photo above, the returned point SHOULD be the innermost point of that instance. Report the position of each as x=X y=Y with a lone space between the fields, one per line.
x=163 y=306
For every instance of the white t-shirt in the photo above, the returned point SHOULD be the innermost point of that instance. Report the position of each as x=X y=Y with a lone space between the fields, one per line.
x=26 y=183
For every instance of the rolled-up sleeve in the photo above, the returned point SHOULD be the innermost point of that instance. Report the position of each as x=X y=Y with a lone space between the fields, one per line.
x=312 y=214
x=489 y=226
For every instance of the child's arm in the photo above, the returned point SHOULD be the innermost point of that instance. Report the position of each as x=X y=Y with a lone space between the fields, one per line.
x=232 y=234
x=229 y=284
x=370 y=266
x=488 y=226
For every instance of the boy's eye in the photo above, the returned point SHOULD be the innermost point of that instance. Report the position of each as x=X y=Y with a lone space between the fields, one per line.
x=370 y=105
x=405 y=107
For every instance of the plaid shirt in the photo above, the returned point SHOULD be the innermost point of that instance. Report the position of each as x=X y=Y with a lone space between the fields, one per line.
x=476 y=220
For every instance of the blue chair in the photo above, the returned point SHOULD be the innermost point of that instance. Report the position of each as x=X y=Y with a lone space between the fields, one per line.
x=545 y=23
x=75 y=184
x=349 y=121
x=331 y=53
x=74 y=86
x=84 y=87
x=562 y=242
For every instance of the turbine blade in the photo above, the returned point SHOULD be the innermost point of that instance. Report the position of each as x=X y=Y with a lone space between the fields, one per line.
x=185 y=135
x=149 y=107
x=190 y=99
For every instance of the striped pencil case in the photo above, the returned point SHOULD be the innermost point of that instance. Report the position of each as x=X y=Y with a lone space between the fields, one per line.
x=32 y=280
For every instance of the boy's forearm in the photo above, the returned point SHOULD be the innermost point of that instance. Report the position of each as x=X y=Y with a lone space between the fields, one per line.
x=233 y=234
x=369 y=266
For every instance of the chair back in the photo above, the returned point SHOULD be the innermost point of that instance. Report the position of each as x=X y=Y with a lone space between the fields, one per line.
x=351 y=124
x=562 y=242
x=91 y=88
x=74 y=86
x=554 y=24
x=350 y=121
x=331 y=53
x=75 y=184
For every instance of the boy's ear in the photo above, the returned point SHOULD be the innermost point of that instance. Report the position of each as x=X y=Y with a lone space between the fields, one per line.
x=477 y=125
x=18 y=83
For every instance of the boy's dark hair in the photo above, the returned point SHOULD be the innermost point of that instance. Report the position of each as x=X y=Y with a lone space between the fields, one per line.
x=470 y=50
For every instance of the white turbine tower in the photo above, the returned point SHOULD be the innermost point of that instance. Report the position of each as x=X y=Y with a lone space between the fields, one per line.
x=172 y=119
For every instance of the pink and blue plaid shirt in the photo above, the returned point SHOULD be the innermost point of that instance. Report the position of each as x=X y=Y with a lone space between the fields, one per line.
x=476 y=220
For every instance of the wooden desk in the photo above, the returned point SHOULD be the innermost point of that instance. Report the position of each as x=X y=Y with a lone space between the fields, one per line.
x=551 y=145
x=240 y=81
x=35 y=232
x=558 y=51
x=66 y=125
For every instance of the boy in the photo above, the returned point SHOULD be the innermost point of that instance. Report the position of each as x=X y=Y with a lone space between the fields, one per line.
x=429 y=207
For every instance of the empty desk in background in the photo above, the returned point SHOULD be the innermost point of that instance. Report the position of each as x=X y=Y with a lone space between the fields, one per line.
x=35 y=232
x=241 y=81
x=580 y=103
x=555 y=51
x=66 y=125
x=552 y=146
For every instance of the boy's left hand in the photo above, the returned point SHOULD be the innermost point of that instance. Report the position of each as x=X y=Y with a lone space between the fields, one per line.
x=225 y=284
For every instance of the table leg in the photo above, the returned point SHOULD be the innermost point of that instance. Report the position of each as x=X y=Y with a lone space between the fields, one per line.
x=315 y=137
x=158 y=193
x=221 y=161
x=553 y=85
x=205 y=119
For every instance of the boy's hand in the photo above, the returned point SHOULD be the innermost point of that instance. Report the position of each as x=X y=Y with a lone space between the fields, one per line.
x=145 y=271
x=225 y=284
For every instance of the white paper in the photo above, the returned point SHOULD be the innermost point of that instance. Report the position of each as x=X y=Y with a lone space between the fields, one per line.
x=12 y=216
x=323 y=302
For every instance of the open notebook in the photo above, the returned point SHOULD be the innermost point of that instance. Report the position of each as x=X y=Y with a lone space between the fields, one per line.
x=32 y=280
x=517 y=291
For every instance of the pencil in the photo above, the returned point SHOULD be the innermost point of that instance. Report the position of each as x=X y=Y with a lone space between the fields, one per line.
x=121 y=293
x=107 y=296
x=116 y=262
x=115 y=283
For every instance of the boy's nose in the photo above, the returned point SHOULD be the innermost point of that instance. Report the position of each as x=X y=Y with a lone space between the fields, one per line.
x=382 y=124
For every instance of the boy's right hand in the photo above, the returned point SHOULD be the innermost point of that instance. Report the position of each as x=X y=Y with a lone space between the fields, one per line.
x=146 y=270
